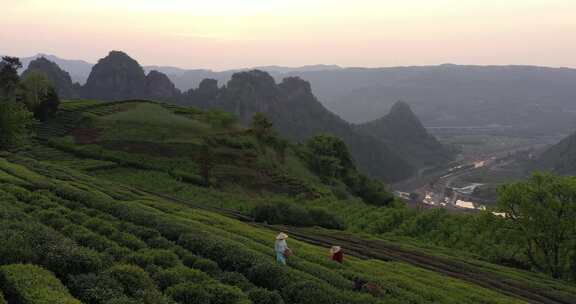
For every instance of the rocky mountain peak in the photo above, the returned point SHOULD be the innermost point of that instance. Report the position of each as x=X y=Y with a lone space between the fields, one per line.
x=116 y=76
x=292 y=85
x=159 y=86
x=59 y=78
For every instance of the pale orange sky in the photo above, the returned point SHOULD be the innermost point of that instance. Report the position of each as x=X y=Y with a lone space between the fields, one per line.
x=222 y=34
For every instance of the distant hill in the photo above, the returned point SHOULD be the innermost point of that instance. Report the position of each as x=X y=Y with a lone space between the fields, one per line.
x=560 y=158
x=534 y=99
x=402 y=131
x=118 y=76
x=58 y=77
x=78 y=69
x=297 y=113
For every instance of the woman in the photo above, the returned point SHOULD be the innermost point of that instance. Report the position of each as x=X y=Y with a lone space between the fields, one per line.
x=281 y=248
x=336 y=254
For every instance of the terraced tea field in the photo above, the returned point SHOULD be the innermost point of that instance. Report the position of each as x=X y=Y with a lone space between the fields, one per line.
x=105 y=243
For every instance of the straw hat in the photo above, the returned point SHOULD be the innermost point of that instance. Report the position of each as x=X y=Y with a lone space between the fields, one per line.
x=335 y=249
x=281 y=236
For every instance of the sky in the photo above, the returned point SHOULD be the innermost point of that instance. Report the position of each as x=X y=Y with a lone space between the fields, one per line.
x=223 y=34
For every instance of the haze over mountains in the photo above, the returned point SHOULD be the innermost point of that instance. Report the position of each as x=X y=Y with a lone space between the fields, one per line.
x=527 y=99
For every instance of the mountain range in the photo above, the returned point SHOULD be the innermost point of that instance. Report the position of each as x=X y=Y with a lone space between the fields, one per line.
x=289 y=104
x=527 y=99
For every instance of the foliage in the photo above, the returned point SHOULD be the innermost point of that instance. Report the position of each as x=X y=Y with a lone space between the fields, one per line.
x=190 y=293
x=159 y=257
x=307 y=293
x=94 y=288
x=329 y=156
x=9 y=76
x=262 y=127
x=31 y=284
x=543 y=210
x=179 y=274
x=14 y=122
x=265 y=296
x=290 y=214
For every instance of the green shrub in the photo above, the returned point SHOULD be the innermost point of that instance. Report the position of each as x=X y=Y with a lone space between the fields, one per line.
x=134 y=281
x=205 y=265
x=127 y=240
x=31 y=284
x=211 y=293
x=291 y=214
x=189 y=293
x=323 y=218
x=223 y=294
x=160 y=243
x=95 y=288
x=268 y=275
x=100 y=226
x=2 y=300
x=307 y=293
x=265 y=296
x=16 y=246
x=123 y=300
x=235 y=279
x=159 y=257
x=180 y=274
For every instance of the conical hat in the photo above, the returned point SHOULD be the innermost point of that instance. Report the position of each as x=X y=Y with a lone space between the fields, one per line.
x=281 y=236
x=335 y=249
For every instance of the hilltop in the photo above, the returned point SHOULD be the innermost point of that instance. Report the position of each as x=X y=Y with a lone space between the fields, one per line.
x=403 y=132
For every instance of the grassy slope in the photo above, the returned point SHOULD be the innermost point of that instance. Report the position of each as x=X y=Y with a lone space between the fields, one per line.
x=241 y=186
x=403 y=283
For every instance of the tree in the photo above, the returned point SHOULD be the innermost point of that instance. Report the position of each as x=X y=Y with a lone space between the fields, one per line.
x=542 y=209
x=48 y=106
x=9 y=76
x=206 y=163
x=280 y=145
x=262 y=127
x=14 y=122
x=39 y=95
x=329 y=156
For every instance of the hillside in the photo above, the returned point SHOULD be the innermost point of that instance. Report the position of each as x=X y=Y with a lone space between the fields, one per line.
x=560 y=158
x=290 y=105
x=106 y=204
x=403 y=132
x=297 y=114
x=58 y=77
x=100 y=242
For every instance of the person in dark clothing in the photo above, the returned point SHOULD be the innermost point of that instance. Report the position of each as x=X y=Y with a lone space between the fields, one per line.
x=336 y=254
x=358 y=284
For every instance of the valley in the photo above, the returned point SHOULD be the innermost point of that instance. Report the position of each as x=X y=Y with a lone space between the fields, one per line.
x=485 y=161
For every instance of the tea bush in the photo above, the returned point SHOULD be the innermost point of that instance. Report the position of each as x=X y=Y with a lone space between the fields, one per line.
x=30 y=284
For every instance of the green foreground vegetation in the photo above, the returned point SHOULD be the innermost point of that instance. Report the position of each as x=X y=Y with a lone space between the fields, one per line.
x=139 y=202
x=108 y=243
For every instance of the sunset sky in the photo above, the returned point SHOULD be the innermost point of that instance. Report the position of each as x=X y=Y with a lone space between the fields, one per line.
x=221 y=34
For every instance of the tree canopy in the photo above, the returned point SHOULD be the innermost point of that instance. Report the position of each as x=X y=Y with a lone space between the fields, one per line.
x=9 y=76
x=543 y=212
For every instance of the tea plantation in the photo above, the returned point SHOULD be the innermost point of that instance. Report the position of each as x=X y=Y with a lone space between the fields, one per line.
x=109 y=204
